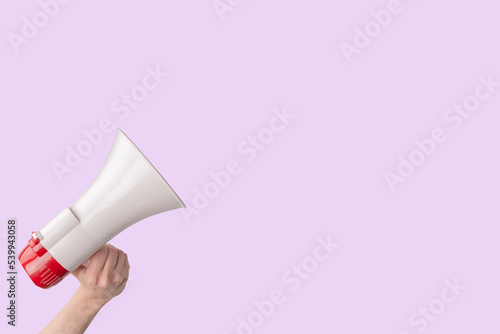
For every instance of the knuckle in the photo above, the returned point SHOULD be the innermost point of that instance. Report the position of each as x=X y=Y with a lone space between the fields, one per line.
x=93 y=280
x=117 y=279
x=105 y=282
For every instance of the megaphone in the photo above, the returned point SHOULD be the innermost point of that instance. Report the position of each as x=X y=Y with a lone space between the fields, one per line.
x=127 y=189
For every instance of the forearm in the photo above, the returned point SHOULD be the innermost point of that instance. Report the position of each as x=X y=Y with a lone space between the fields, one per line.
x=75 y=316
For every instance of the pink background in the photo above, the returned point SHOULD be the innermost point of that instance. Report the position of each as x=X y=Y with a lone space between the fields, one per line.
x=322 y=175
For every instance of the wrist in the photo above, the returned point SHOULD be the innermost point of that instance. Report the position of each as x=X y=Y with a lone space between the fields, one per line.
x=94 y=304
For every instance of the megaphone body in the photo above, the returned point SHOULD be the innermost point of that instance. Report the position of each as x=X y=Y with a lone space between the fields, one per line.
x=127 y=189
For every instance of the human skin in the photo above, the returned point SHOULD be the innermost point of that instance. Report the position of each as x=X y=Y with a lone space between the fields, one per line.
x=105 y=278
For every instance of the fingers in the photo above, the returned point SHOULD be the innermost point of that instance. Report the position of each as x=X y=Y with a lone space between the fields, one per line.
x=126 y=267
x=111 y=260
x=122 y=285
x=108 y=267
x=120 y=261
x=98 y=260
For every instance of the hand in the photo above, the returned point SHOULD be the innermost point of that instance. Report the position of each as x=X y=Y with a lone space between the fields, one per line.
x=105 y=277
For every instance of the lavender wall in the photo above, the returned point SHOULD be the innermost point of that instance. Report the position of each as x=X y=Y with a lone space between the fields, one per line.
x=354 y=144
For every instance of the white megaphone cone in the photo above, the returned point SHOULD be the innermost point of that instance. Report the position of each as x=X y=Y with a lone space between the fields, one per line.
x=127 y=190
